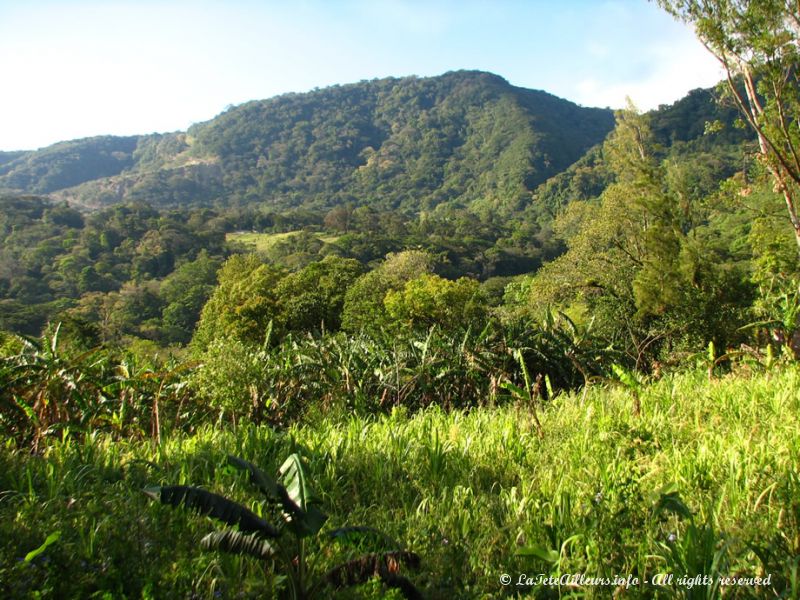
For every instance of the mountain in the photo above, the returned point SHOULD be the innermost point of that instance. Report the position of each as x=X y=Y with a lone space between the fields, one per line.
x=462 y=140
x=7 y=157
x=465 y=139
x=707 y=155
x=67 y=164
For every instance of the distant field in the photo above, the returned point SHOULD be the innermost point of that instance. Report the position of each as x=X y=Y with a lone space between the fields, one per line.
x=264 y=241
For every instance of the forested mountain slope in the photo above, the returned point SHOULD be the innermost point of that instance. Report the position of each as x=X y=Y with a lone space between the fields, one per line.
x=463 y=140
x=466 y=139
x=67 y=164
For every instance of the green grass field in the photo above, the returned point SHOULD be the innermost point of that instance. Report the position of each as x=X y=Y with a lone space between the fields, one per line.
x=262 y=242
x=704 y=482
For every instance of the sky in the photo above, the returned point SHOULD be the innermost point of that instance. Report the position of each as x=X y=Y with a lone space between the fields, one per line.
x=78 y=68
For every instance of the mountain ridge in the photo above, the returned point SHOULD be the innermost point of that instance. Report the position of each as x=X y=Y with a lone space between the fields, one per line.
x=462 y=140
x=467 y=138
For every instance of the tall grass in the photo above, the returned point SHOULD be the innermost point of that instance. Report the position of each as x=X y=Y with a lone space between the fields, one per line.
x=706 y=477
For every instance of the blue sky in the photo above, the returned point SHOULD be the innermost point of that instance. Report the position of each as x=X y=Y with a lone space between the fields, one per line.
x=76 y=68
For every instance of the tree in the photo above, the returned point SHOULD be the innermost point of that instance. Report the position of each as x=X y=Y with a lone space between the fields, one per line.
x=184 y=292
x=432 y=300
x=641 y=260
x=339 y=218
x=363 y=302
x=758 y=44
x=242 y=305
x=312 y=298
x=615 y=248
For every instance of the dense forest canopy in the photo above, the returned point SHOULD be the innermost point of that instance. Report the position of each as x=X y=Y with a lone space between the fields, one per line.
x=450 y=203
x=464 y=139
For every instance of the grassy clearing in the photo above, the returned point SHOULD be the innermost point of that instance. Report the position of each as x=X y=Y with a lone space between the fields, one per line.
x=263 y=242
x=602 y=494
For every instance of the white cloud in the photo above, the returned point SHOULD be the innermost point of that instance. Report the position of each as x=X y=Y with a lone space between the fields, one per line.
x=660 y=74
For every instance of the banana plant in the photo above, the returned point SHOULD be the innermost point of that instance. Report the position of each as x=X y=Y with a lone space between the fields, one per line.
x=288 y=545
x=632 y=382
x=530 y=394
x=44 y=389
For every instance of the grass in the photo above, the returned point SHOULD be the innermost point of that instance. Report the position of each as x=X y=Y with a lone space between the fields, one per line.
x=263 y=242
x=476 y=493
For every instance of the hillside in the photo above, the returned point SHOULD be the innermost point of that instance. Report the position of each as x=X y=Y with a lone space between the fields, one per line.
x=464 y=166
x=467 y=139
x=353 y=302
x=67 y=164
x=679 y=130
x=463 y=140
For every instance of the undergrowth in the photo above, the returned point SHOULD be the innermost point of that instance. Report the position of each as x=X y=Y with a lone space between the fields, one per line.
x=704 y=479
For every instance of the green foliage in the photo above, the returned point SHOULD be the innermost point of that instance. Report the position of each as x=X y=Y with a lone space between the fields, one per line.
x=529 y=395
x=452 y=169
x=55 y=387
x=46 y=388
x=67 y=164
x=465 y=138
x=242 y=305
x=400 y=143
x=312 y=299
x=289 y=499
x=646 y=259
x=51 y=539
x=184 y=292
x=385 y=204
x=779 y=307
x=105 y=269
x=364 y=307
x=757 y=43
x=372 y=372
x=252 y=296
x=699 y=119
x=707 y=467
x=231 y=379
x=771 y=242
x=212 y=505
x=430 y=300
x=583 y=180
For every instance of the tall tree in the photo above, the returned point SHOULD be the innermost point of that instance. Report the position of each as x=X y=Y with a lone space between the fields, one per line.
x=242 y=305
x=431 y=300
x=364 y=308
x=312 y=299
x=758 y=44
x=639 y=258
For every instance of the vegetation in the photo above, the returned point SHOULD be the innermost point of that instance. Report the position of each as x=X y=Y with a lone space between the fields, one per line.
x=67 y=164
x=757 y=44
x=479 y=328
x=478 y=199
x=411 y=144
x=703 y=481
x=126 y=271
x=300 y=519
x=650 y=259
x=263 y=243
